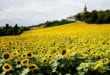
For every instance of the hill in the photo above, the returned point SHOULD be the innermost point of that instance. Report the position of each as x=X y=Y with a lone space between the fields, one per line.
x=77 y=27
x=74 y=49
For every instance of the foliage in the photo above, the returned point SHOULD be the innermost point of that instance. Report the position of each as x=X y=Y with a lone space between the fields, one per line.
x=9 y=30
x=98 y=17
x=54 y=23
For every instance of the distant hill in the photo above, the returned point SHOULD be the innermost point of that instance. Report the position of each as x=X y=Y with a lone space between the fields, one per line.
x=52 y=23
x=72 y=28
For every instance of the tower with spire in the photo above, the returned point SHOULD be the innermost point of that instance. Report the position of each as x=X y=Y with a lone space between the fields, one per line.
x=85 y=9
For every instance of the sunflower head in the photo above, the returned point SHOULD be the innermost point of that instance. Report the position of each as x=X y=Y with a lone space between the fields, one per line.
x=106 y=61
x=101 y=54
x=24 y=56
x=32 y=67
x=25 y=62
x=7 y=67
x=64 y=52
x=6 y=56
x=15 y=54
x=29 y=54
x=44 y=61
x=18 y=62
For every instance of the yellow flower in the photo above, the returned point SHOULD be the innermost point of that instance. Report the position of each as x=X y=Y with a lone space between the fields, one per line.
x=24 y=56
x=29 y=54
x=44 y=61
x=64 y=52
x=6 y=56
x=101 y=54
x=25 y=62
x=85 y=56
x=7 y=67
x=82 y=64
x=98 y=65
x=106 y=61
x=32 y=67
x=15 y=54
x=18 y=62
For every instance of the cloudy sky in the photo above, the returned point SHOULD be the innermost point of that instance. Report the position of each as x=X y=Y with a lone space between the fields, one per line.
x=32 y=12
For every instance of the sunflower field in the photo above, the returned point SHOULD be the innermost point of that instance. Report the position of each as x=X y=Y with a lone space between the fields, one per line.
x=70 y=49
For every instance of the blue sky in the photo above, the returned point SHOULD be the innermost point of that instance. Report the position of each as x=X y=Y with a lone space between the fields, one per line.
x=32 y=12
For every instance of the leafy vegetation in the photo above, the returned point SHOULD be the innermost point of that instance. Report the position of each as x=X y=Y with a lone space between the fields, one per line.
x=9 y=30
x=71 y=49
x=98 y=17
x=52 y=23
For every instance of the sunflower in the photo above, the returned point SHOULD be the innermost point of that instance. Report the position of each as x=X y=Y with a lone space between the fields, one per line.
x=25 y=62
x=15 y=54
x=32 y=67
x=48 y=56
x=65 y=52
x=6 y=56
x=106 y=61
x=29 y=54
x=101 y=54
x=44 y=61
x=85 y=56
x=18 y=51
x=23 y=56
x=18 y=62
x=43 y=51
x=7 y=67
x=98 y=65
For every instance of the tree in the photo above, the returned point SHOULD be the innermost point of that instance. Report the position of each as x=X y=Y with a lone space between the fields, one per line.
x=7 y=26
x=78 y=16
x=107 y=17
x=100 y=18
x=16 y=29
x=92 y=18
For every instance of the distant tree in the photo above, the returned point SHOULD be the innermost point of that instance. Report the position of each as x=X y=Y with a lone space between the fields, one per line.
x=55 y=23
x=107 y=17
x=78 y=16
x=94 y=17
x=64 y=21
x=7 y=26
x=100 y=17
x=9 y=30
x=16 y=29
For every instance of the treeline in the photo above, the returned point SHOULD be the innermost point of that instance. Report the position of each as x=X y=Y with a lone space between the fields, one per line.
x=98 y=17
x=54 y=23
x=9 y=30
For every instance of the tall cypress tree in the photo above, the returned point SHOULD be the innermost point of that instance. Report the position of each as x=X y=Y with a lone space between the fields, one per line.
x=16 y=29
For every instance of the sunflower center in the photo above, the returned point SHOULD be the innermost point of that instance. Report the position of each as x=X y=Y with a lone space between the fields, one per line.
x=25 y=62
x=7 y=67
x=63 y=52
x=45 y=61
x=29 y=54
x=18 y=62
x=31 y=67
x=6 y=56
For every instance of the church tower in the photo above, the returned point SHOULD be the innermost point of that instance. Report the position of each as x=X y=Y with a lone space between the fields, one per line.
x=85 y=9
